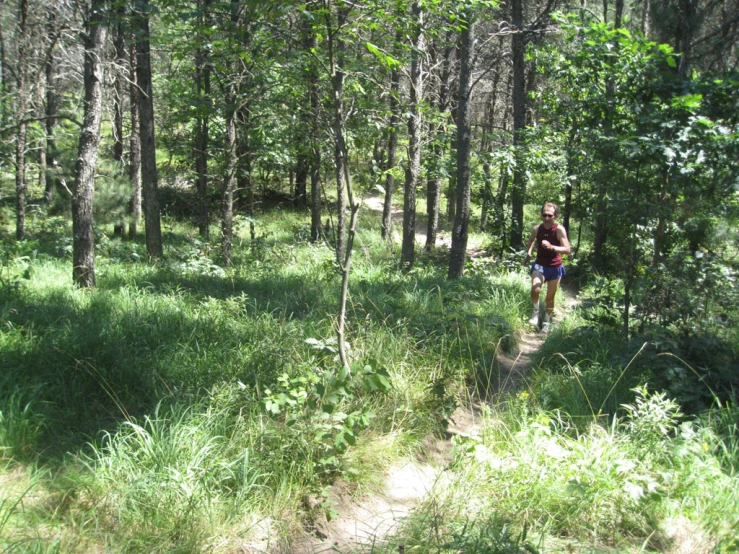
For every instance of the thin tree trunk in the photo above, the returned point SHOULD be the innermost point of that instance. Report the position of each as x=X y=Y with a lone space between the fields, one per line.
x=134 y=161
x=570 y=153
x=119 y=228
x=202 y=84
x=460 y=230
x=392 y=150
x=451 y=194
x=341 y=158
x=600 y=232
x=149 y=176
x=315 y=170
x=20 y=137
x=415 y=123
x=518 y=191
x=83 y=246
x=41 y=94
x=232 y=160
x=433 y=194
x=314 y=161
x=487 y=202
x=51 y=112
x=244 y=179
x=302 y=170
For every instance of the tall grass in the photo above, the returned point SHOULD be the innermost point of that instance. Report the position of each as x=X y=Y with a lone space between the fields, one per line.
x=533 y=479
x=147 y=395
x=182 y=407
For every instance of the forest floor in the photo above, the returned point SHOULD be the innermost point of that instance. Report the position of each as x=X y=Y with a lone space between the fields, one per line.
x=369 y=520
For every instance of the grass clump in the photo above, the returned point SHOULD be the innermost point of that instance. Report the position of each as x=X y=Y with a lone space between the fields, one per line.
x=539 y=484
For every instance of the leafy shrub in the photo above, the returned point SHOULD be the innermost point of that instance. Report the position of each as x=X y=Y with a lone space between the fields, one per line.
x=323 y=412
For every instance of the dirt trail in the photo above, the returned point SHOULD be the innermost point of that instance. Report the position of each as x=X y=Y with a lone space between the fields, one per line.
x=366 y=521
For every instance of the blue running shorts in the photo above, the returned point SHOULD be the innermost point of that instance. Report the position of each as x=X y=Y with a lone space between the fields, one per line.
x=550 y=273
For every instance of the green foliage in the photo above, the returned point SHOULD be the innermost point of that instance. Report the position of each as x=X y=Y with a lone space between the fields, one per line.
x=21 y=424
x=323 y=413
x=533 y=475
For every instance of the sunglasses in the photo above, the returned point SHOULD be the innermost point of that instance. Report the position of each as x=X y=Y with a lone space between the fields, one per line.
x=547 y=215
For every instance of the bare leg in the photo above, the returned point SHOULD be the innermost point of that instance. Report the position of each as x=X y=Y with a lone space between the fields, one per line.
x=537 y=280
x=552 y=287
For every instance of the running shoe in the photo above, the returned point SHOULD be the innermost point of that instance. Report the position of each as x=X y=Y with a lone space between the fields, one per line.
x=534 y=319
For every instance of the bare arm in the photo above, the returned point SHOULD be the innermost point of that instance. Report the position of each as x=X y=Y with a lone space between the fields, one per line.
x=564 y=243
x=532 y=240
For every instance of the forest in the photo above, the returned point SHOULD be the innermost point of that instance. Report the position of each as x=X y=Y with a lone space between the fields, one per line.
x=262 y=272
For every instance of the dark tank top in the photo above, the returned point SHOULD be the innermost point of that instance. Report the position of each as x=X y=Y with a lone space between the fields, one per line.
x=544 y=256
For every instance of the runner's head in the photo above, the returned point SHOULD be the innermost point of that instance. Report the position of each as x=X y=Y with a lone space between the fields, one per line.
x=550 y=208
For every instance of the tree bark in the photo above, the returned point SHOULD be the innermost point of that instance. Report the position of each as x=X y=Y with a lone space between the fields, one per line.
x=51 y=112
x=570 y=153
x=314 y=162
x=149 y=176
x=134 y=161
x=392 y=152
x=518 y=191
x=20 y=137
x=460 y=230
x=451 y=193
x=433 y=192
x=202 y=84
x=232 y=160
x=341 y=158
x=83 y=246
x=119 y=228
x=415 y=123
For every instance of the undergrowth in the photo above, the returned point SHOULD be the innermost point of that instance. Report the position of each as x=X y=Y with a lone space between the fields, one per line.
x=183 y=407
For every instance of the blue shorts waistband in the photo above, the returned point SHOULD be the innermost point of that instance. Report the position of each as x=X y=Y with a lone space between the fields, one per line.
x=550 y=273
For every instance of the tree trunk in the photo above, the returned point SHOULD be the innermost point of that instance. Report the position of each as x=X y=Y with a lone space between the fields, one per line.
x=600 y=232
x=570 y=154
x=232 y=160
x=433 y=193
x=20 y=137
x=202 y=84
x=149 y=176
x=487 y=196
x=460 y=230
x=314 y=161
x=118 y=101
x=83 y=246
x=415 y=123
x=244 y=178
x=486 y=147
x=41 y=94
x=392 y=150
x=315 y=166
x=52 y=106
x=518 y=191
x=451 y=194
x=134 y=161
x=302 y=170
x=341 y=157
